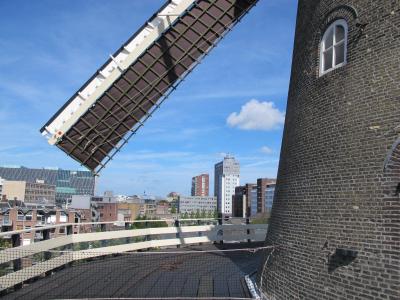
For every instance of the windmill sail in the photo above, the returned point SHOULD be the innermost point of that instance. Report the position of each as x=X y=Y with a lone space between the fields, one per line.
x=116 y=101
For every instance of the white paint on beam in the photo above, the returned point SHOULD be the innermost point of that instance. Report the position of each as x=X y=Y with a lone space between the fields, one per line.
x=88 y=95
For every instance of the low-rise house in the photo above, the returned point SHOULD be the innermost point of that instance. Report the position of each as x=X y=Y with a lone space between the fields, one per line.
x=18 y=215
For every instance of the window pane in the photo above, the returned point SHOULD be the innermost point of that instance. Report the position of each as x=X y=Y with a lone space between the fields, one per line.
x=339 y=54
x=329 y=39
x=328 y=55
x=339 y=33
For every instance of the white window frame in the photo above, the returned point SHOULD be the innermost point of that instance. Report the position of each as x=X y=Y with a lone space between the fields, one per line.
x=20 y=216
x=340 y=22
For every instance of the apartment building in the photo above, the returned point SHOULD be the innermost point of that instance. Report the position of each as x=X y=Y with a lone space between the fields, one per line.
x=226 y=178
x=15 y=215
x=200 y=185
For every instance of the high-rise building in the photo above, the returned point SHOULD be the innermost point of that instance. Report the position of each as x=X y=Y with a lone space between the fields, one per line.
x=253 y=199
x=226 y=178
x=264 y=185
x=67 y=182
x=239 y=202
x=244 y=201
x=269 y=197
x=200 y=185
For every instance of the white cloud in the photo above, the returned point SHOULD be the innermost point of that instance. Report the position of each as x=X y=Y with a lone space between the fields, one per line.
x=256 y=115
x=222 y=154
x=151 y=155
x=266 y=150
x=271 y=86
x=261 y=163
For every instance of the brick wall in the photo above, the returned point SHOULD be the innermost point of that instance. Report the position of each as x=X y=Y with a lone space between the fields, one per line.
x=200 y=188
x=336 y=214
x=108 y=211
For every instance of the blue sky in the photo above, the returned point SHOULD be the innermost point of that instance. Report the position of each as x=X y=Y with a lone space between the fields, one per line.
x=234 y=102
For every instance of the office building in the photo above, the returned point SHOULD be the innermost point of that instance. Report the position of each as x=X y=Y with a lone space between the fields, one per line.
x=239 y=202
x=29 y=192
x=67 y=182
x=269 y=197
x=197 y=204
x=252 y=199
x=244 y=201
x=264 y=185
x=200 y=185
x=252 y=194
x=226 y=178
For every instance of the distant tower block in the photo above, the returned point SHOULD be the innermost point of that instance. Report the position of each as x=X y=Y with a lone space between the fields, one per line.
x=200 y=185
x=336 y=214
x=226 y=179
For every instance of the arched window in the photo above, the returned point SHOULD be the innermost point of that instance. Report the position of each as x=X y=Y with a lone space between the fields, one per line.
x=333 y=47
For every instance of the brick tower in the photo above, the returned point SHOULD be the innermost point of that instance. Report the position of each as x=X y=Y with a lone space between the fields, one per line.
x=336 y=216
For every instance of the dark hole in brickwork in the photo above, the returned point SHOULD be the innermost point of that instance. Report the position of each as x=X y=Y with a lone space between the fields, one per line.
x=397 y=193
x=341 y=258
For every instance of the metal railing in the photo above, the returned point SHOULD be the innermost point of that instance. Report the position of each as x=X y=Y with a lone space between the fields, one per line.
x=105 y=238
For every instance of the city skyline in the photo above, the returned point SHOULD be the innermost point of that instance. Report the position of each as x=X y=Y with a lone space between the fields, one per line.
x=192 y=130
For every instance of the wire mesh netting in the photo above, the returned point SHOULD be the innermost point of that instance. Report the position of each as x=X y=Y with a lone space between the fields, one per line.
x=202 y=271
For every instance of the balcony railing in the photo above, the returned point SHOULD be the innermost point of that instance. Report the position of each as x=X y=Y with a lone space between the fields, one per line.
x=105 y=238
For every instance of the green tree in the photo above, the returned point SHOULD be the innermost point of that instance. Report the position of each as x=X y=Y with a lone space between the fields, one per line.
x=261 y=219
x=5 y=243
x=215 y=215
x=141 y=225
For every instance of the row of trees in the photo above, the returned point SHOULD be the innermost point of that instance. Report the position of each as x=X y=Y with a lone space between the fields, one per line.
x=141 y=225
x=200 y=215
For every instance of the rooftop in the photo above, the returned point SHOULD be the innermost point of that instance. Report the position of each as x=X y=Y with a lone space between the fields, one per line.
x=193 y=271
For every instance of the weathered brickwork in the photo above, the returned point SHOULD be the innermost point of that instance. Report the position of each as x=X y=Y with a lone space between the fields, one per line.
x=336 y=214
